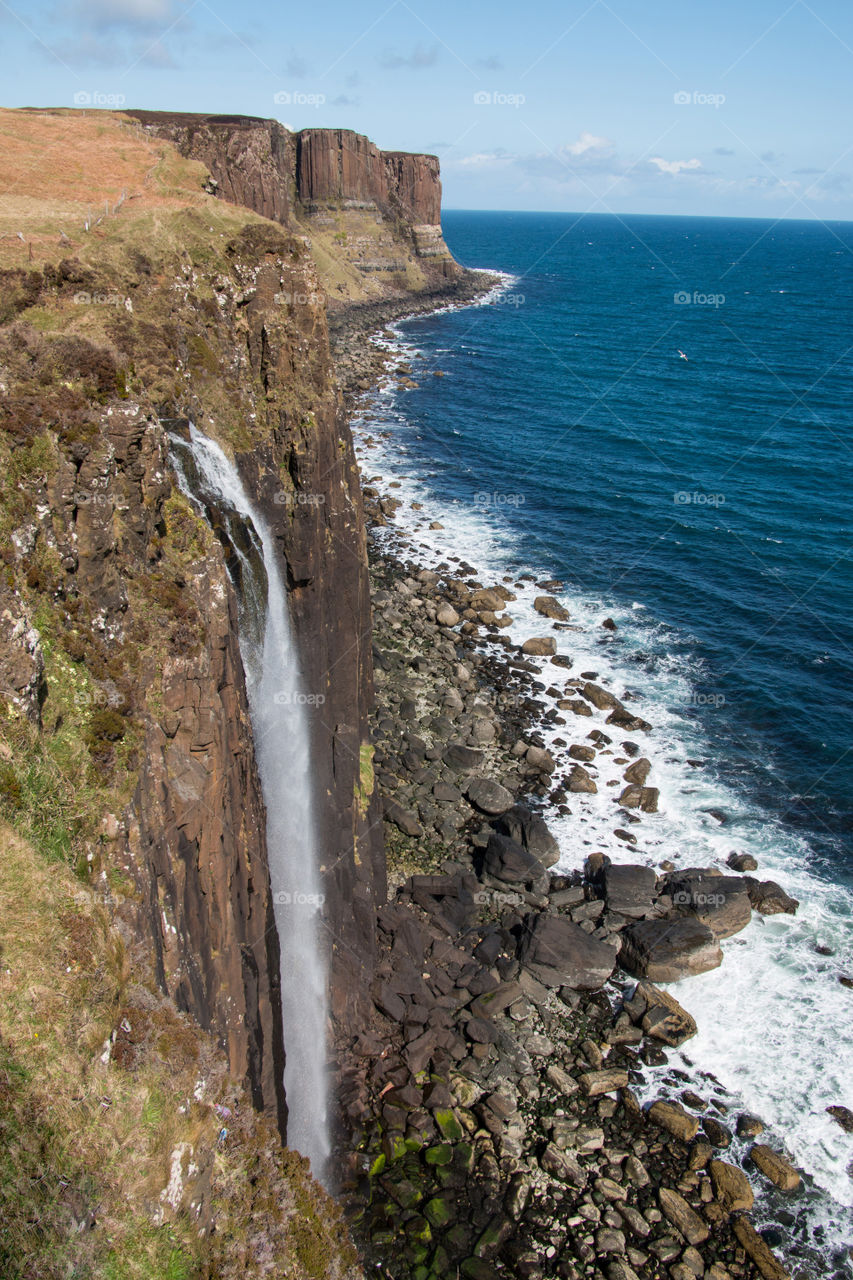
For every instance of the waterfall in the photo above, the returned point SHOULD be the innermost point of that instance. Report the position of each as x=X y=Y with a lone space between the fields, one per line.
x=279 y=708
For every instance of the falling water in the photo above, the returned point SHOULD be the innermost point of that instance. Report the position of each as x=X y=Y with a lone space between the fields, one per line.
x=279 y=711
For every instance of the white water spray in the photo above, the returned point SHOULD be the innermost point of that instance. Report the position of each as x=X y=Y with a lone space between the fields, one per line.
x=280 y=722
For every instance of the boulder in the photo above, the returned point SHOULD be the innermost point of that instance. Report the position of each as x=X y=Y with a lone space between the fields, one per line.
x=539 y=758
x=446 y=616
x=622 y=719
x=487 y=599
x=530 y=830
x=721 y=902
x=402 y=818
x=540 y=646
x=459 y=757
x=510 y=862
x=731 y=1186
x=775 y=1167
x=676 y=1209
x=673 y=1118
x=551 y=608
x=559 y=953
x=630 y=889
x=759 y=1251
x=664 y=1018
x=594 y=1083
x=636 y=797
x=581 y=752
x=580 y=781
x=667 y=950
x=842 y=1116
x=489 y=796
x=601 y=698
x=741 y=862
x=769 y=898
x=562 y=1165
x=638 y=771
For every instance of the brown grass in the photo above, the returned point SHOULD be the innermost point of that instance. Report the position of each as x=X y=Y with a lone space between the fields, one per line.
x=59 y=169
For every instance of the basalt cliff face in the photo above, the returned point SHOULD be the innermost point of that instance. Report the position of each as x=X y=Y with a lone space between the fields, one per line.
x=120 y=663
x=374 y=216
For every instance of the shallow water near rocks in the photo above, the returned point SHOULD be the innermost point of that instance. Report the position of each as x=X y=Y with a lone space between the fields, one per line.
x=560 y=443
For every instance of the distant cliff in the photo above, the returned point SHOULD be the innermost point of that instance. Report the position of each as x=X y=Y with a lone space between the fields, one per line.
x=375 y=215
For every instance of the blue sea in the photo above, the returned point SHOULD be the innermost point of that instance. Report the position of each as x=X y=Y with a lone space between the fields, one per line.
x=656 y=412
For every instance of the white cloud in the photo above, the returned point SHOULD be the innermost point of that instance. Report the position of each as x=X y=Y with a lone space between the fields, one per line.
x=587 y=142
x=675 y=167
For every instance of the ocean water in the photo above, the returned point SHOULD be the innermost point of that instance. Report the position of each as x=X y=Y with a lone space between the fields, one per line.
x=702 y=503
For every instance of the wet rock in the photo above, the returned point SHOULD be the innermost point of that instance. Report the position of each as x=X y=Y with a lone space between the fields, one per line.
x=489 y=796
x=769 y=898
x=843 y=1116
x=540 y=646
x=666 y=950
x=638 y=772
x=759 y=1251
x=749 y=1126
x=775 y=1167
x=718 y=1135
x=673 y=1118
x=664 y=1018
x=731 y=1186
x=677 y=1211
x=551 y=608
x=721 y=902
x=580 y=781
x=559 y=953
x=741 y=862
x=581 y=752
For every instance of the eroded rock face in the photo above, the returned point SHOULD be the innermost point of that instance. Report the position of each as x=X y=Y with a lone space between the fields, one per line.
x=259 y=164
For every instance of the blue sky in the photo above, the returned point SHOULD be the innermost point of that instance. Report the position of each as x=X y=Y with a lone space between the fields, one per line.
x=649 y=106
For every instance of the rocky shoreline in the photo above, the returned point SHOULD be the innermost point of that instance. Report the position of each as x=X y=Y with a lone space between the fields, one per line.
x=494 y=1124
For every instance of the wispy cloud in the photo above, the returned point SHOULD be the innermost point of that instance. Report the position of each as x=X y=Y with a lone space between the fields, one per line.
x=419 y=59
